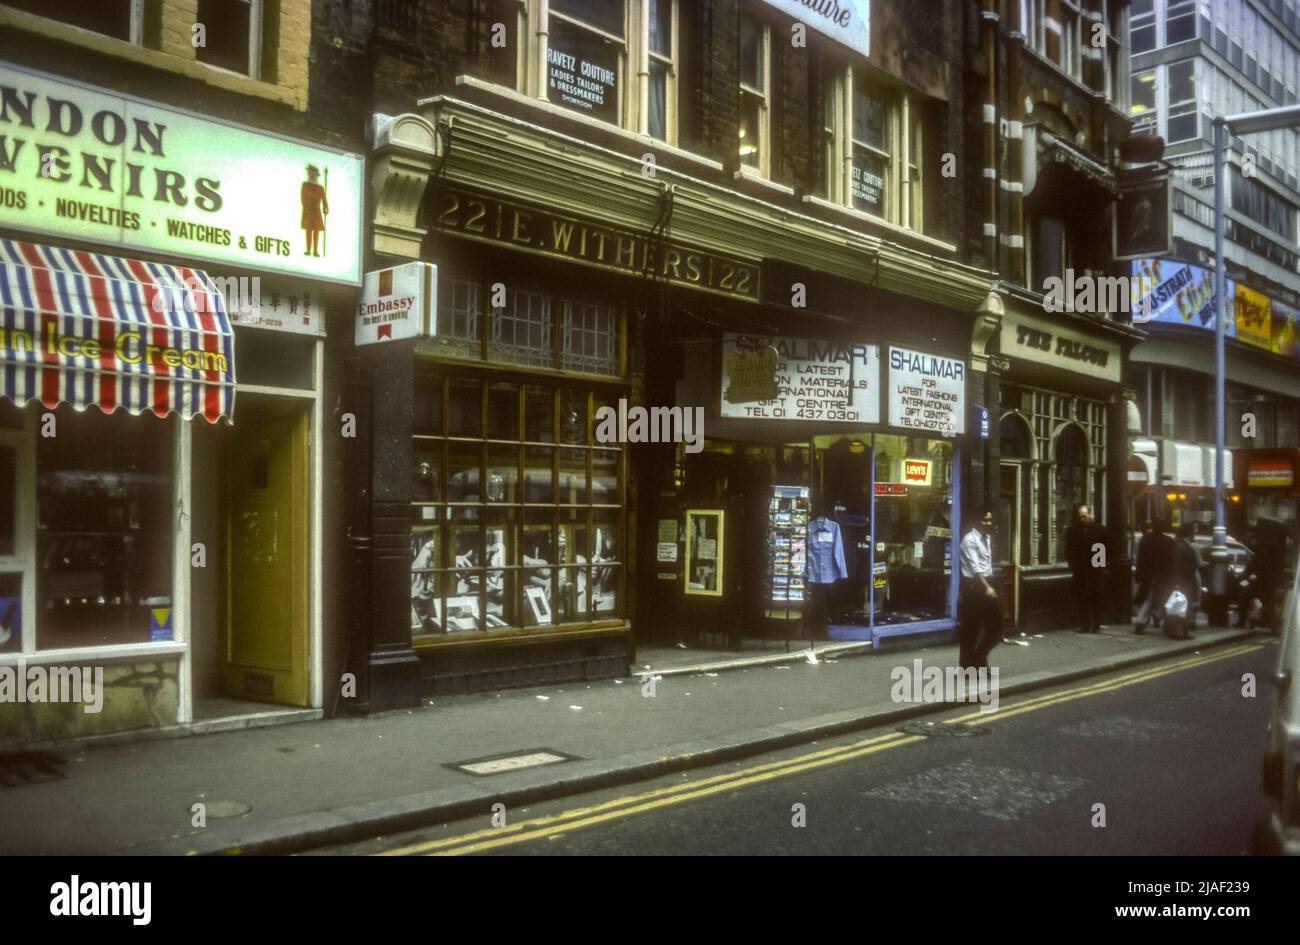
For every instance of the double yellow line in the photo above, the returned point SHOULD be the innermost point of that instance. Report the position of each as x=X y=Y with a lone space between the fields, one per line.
x=542 y=827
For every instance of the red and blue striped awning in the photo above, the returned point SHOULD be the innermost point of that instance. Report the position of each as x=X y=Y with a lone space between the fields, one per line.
x=88 y=329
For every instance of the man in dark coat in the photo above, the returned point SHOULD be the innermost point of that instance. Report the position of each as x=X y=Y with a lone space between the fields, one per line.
x=1152 y=572
x=1185 y=573
x=1267 y=567
x=1087 y=564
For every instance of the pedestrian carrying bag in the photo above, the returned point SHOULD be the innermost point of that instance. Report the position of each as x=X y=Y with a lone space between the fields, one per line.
x=1176 y=606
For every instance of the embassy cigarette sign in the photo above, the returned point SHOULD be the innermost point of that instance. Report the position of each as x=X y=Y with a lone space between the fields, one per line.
x=79 y=161
x=397 y=303
x=845 y=21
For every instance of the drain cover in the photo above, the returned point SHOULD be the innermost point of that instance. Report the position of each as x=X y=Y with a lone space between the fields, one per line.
x=228 y=808
x=30 y=767
x=515 y=762
x=943 y=729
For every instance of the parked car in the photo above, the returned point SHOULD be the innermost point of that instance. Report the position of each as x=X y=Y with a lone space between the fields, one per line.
x=1239 y=557
x=1281 y=834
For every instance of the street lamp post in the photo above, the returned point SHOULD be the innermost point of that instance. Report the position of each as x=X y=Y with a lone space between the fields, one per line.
x=1268 y=119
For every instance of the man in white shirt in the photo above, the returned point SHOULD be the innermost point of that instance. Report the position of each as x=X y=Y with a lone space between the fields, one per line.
x=979 y=611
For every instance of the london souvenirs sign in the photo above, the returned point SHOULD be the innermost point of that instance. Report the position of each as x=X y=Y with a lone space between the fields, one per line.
x=107 y=168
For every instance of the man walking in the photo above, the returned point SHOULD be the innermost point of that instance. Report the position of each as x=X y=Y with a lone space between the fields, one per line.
x=1153 y=558
x=979 y=611
x=1081 y=541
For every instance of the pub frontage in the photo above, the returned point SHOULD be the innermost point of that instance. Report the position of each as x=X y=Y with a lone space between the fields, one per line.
x=507 y=540
x=1062 y=441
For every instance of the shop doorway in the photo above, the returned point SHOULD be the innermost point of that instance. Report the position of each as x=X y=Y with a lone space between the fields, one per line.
x=266 y=499
x=1009 y=538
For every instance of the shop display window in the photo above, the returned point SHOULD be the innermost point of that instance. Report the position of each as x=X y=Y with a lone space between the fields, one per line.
x=912 y=563
x=513 y=535
x=104 y=498
x=704 y=552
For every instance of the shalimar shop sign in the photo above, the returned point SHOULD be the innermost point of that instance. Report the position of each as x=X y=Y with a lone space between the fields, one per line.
x=107 y=168
x=522 y=226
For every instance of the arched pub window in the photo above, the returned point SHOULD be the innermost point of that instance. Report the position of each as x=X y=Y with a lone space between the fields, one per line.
x=1071 y=458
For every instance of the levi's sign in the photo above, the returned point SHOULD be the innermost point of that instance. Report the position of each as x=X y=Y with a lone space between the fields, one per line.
x=845 y=21
x=108 y=168
x=533 y=229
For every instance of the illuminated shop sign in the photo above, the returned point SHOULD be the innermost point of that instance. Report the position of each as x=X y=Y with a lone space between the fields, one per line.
x=109 y=168
x=1270 y=472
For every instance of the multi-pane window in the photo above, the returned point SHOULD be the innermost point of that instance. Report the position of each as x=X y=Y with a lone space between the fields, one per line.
x=1054 y=29
x=530 y=327
x=872 y=149
x=1180 y=21
x=1142 y=26
x=1142 y=102
x=518 y=508
x=586 y=57
x=617 y=61
x=231 y=33
x=1180 y=116
x=1256 y=202
x=755 y=93
x=872 y=146
x=661 y=69
x=121 y=19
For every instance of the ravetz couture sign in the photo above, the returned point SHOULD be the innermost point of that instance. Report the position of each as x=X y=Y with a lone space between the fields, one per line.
x=816 y=380
x=108 y=168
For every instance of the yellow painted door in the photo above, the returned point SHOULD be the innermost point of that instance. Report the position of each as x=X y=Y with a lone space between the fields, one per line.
x=267 y=556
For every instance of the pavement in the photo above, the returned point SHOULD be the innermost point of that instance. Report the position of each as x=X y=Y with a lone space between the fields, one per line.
x=289 y=788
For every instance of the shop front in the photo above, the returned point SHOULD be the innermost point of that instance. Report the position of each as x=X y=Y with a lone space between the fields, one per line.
x=1060 y=443
x=828 y=482
x=155 y=547
x=1269 y=489
x=570 y=480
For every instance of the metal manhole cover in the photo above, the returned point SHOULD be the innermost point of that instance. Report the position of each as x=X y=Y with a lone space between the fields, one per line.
x=943 y=729
x=222 y=809
x=30 y=767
